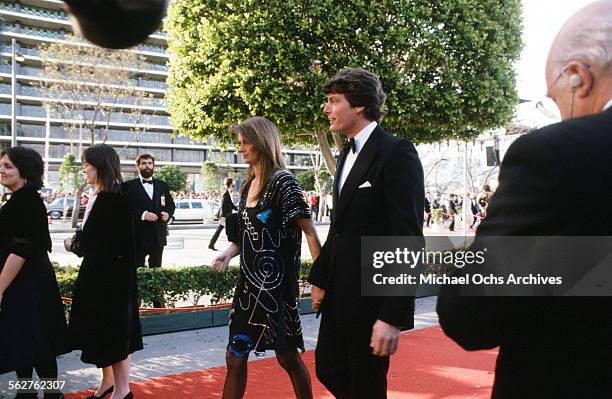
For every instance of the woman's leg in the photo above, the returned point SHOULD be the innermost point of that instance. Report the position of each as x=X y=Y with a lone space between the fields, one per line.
x=236 y=378
x=121 y=374
x=108 y=381
x=292 y=362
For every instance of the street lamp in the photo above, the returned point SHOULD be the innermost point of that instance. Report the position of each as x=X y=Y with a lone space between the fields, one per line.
x=16 y=56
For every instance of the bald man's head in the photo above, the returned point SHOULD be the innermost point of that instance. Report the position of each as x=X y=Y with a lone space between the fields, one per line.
x=579 y=65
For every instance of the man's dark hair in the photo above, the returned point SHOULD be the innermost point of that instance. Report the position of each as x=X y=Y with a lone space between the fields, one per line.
x=29 y=163
x=228 y=182
x=144 y=156
x=361 y=88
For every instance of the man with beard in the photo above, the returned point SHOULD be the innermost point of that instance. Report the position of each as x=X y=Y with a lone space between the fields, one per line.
x=151 y=206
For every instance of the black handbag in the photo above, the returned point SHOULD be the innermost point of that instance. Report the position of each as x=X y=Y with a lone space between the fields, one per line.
x=75 y=247
x=231 y=227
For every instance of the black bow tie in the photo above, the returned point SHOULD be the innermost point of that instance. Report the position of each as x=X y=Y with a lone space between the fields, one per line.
x=350 y=145
x=147 y=181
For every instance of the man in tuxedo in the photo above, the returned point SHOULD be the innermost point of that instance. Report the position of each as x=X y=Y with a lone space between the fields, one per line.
x=227 y=207
x=552 y=347
x=378 y=191
x=117 y=24
x=151 y=206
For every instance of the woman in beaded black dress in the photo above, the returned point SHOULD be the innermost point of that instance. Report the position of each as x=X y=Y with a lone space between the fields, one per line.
x=272 y=216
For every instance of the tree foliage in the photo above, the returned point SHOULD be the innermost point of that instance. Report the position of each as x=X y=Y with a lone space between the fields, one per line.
x=446 y=66
x=70 y=175
x=210 y=177
x=173 y=176
x=306 y=180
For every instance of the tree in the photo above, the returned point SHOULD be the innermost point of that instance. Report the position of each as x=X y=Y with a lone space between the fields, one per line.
x=173 y=176
x=85 y=86
x=210 y=177
x=71 y=178
x=69 y=173
x=446 y=66
x=306 y=180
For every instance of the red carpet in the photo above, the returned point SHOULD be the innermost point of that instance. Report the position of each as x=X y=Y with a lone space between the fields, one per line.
x=428 y=365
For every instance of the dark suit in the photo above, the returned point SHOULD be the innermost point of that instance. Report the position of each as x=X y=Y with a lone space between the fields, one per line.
x=393 y=205
x=150 y=237
x=227 y=207
x=549 y=347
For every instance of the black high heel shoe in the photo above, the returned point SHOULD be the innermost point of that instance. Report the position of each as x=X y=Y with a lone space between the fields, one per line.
x=109 y=390
x=129 y=395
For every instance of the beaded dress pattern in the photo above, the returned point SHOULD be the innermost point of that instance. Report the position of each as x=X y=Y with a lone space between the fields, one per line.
x=265 y=313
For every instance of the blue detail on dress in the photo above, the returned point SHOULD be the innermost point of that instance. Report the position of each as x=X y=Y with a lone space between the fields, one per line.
x=241 y=345
x=265 y=216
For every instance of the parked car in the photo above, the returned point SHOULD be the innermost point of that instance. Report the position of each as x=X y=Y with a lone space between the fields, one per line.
x=194 y=210
x=56 y=209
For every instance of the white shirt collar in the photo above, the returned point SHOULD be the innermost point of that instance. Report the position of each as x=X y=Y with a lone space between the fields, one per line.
x=364 y=135
x=608 y=105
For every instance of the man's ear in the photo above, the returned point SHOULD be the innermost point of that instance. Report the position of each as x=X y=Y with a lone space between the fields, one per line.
x=581 y=78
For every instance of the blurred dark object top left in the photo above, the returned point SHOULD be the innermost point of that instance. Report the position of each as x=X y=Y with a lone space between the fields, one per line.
x=117 y=23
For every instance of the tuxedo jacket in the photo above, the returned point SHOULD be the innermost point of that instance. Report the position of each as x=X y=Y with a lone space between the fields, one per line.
x=149 y=234
x=391 y=205
x=227 y=205
x=549 y=347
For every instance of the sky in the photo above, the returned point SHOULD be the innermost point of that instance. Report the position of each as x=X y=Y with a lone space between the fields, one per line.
x=542 y=19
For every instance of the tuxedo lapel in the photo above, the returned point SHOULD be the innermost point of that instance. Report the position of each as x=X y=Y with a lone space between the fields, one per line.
x=143 y=192
x=361 y=166
x=338 y=175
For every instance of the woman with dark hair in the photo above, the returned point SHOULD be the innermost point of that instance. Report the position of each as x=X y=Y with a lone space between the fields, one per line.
x=104 y=322
x=32 y=320
x=272 y=216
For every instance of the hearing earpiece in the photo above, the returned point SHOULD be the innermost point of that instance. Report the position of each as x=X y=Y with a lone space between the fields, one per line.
x=575 y=81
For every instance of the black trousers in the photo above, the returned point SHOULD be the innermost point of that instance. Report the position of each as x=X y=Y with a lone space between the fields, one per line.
x=155 y=260
x=46 y=371
x=215 y=236
x=345 y=363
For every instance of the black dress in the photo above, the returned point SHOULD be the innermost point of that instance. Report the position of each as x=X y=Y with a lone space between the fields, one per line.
x=265 y=313
x=104 y=321
x=32 y=321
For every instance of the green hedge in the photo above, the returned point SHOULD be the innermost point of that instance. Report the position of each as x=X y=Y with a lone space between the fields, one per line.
x=175 y=284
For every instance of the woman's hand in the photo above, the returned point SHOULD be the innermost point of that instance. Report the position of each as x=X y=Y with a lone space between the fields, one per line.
x=221 y=262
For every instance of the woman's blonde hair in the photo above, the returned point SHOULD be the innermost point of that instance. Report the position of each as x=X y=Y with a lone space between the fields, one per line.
x=263 y=135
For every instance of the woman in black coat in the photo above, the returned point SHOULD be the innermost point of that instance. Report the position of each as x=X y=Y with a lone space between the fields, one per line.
x=32 y=320
x=104 y=322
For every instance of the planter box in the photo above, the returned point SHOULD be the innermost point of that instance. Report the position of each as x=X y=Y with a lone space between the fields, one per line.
x=174 y=322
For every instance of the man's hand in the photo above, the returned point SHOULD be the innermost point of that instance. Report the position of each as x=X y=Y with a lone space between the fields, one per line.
x=316 y=296
x=151 y=217
x=385 y=338
x=164 y=216
x=221 y=262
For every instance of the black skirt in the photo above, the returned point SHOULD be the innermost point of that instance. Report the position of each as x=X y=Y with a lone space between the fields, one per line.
x=32 y=320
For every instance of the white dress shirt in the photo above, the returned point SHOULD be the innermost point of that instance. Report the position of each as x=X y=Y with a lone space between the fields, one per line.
x=608 y=105
x=351 y=157
x=149 y=189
